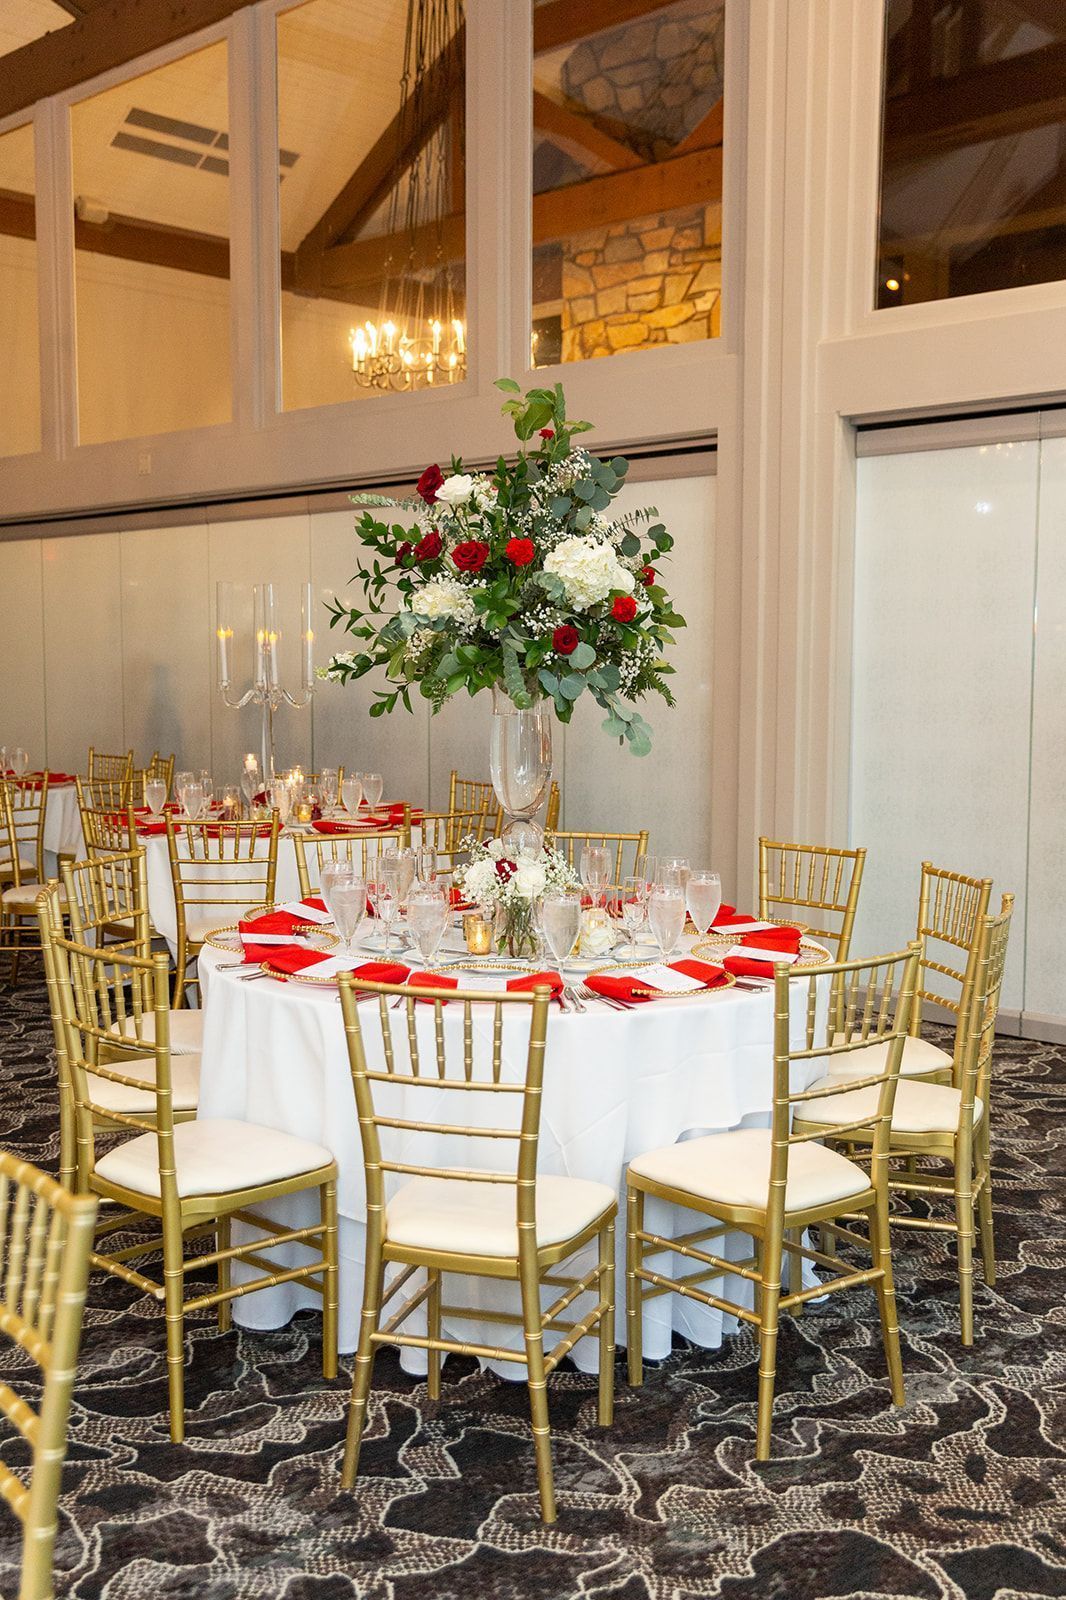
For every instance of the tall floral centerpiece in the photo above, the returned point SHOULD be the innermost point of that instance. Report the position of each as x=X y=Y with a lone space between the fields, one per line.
x=520 y=581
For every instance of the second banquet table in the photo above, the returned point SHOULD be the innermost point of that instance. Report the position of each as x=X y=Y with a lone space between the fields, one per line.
x=615 y=1084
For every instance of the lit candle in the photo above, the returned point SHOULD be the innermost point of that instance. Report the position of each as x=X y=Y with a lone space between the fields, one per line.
x=478 y=934
x=435 y=328
x=460 y=336
x=224 y=636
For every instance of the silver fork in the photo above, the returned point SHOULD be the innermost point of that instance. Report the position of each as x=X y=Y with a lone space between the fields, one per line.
x=571 y=992
x=605 y=999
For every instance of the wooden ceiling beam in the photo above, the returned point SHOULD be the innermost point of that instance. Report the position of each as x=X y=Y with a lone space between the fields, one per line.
x=579 y=136
x=709 y=131
x=1008 y=97
x=107 y=36
x=562 y=22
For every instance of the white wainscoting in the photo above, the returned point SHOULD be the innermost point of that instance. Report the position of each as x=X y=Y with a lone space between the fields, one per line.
x=108 y=639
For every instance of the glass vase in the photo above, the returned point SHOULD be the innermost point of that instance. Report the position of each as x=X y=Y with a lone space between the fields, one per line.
x=515 y=929
x=520 y=764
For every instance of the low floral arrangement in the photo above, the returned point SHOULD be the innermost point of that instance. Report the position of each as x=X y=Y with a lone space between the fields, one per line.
x=508 y=887
x=518 y=578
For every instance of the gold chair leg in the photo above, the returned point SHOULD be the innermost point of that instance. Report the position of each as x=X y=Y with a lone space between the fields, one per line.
x=827 y=1240
x=881 y=1251
x=634 y=1293
x=964 y=1223
x=173 y=1295
x=68 y=1141
x=770 y=1296
x=605 y=1414
x=363 y=1367
x=988 y=1238
x=225 y=1307
x=178 y=1000
x=538 y=1389
x=328 y=1201
x=795 y=1269
x=433 y=1329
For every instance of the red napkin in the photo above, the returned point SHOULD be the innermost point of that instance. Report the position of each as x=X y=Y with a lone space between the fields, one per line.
x=782 y=938
x=324 y=825
x=625 y=988
x=728 y=913
x=33 y=780
x=150 y=829
x=458 y=902
x=528 y=980
x=285 y=959
x=272 y=922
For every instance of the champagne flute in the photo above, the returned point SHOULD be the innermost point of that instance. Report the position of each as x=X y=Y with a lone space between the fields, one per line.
x=19 y=761
x=634 y=906
x=427 y=918
x=560 y=922
x=595 y=870
x=207 y=787
x=327 y=788
x=674 y=871
x=155 y=795
x=666 y=916
x=373 y=784
x=251 y=782
x=704 y=896
x=352 y=794
x=381 y=889
x=427 y=864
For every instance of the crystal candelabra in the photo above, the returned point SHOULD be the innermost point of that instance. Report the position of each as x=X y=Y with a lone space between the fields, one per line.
x=266 y=691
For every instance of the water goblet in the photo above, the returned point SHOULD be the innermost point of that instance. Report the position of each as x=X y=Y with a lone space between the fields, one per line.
x=381 y=890
x=344 y=889
x=191 y=796
x=19 y=761
x=251 y=780
x=352 y=794
x=155 y=795
x=666 y=917
x=595 y=870
x=560 y=923
x=673 y=871
x=373 y=784
x=704 y=895
x=327 y=788
x=427 y=919
x=634 y=904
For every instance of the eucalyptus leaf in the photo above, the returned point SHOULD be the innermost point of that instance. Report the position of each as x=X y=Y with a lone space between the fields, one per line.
x=583 y=656
x=572 y=685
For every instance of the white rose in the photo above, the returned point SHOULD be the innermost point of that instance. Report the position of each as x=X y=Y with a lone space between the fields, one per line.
x=456 y=490
x=589 y=569
x=597 y=935
x=530 y=879
x=479 y=879
x=484 y=495
x=443 y=597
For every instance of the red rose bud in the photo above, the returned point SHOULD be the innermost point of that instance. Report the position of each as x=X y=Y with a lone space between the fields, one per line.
x=505 y=870
x=429 y=483
x=429 y=547
x=471 y=556
x=403 y=551
x=547 y=433
x=565 y=640
x=624 y=608
x=520 y=551
x=647 y=576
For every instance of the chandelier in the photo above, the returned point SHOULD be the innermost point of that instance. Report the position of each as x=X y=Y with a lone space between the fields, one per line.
x=418 y=338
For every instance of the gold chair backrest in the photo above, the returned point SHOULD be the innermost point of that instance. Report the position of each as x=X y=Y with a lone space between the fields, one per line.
x=470 y=794
x=816 y=878
x=107 y=819
x=119 y=768
x=46 y=1237
x=950 y=908
x=629 y=849
x=468 y=1077
x=107 y=893
x=22 y=812
x=445 y=831
x=120 y=998
x=876 y=995
x=313 y=853
x=159 y=768
x=990 y=960
x=208 y=859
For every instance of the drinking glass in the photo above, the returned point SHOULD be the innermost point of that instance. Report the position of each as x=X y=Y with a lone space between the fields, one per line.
x=3 y=760
x=704 y=897
x=344 y=890
x=155 y=795
x=251 y=782
x=19 y=761
x=373 y=784
x=208 y=787
x=231 y=803
x=327 y=788
x=191 y=795
x=673 y=871
x=352 y=795
x=666 y=916
x=427 y=864
x=560 y=923
x=595 y=870
x=382 y=892
x=406 y=865
x=634 y=906
x=427 y=918
x=281 y=799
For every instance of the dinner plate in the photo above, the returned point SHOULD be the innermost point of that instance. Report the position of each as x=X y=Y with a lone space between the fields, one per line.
x=811 y=954
x=229 y=938
x=692 y=994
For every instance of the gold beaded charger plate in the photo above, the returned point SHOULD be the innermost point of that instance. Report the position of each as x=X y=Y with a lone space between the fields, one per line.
x=616 y=967
x=229 y=937
x=811 y=954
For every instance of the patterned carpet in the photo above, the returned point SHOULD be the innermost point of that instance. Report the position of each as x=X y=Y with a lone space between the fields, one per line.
x=960 y=1495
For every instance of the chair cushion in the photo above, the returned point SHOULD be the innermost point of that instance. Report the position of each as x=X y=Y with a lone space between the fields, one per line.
x=215 y=1156
x=25 y=894
x=919 y=1107
x=734 y=1170
x=186 y=1031
x=919 y=1056
x=184 y=1083
x=479 y=1218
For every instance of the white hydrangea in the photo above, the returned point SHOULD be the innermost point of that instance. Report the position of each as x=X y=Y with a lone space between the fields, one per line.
x=479 y=880
x=589 y=570
x=456 y=490
x=443 y=597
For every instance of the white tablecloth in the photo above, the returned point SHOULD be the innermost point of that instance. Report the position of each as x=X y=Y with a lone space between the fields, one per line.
x=161 y=888
x=615 y=1084
x=62 y=824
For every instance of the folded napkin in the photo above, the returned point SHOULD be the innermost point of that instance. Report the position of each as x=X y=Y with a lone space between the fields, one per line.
x=272 y=922
x=288 y=959
x=727 y=913
x=149 y=830
x=782 y=938
x=527 y=981
x=630 y=987
x=458 y=901
x=324 y=825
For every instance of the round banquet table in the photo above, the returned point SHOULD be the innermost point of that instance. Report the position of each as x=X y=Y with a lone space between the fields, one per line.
x=615 y=1084
x=62 y=824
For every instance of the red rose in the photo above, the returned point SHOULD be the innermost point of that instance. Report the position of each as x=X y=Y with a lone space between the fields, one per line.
x=403 y=551
x=429 y=483
x=471 y=556
x=624 y=608
x=429 y=547
x=547 y=433
x=647 y=576
x=565 y=640
x=505 y=870
x=520 y=551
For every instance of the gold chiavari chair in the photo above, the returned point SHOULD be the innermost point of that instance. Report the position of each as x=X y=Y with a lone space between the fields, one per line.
x=193 y=1178
x=116 y=767
x=819 y=880
x=22 y=875
x=946 y=1123
x=773 y=1182
x=313 y=852
x=445 y=831
x=219 y=870
x=107 y=818
x=160 y=768
x=470 y=794
x=498 y=1220
x=629 y=849
x=46 y=1236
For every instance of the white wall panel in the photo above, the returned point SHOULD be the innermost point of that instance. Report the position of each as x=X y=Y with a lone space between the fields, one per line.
x=167 y=643
x=944 y=585
x=83 y=647
x=22 y=699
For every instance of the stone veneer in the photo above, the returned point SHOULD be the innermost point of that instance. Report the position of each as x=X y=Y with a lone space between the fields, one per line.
x=653 y=280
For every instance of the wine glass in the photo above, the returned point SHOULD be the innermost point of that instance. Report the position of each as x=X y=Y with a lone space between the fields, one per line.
x=406 y=864
x=207 y=785
x=327 y=788
x=344 y=889
x=427 y=918
x=560 y=923
x=19 y=761
x=704 y=896
x=634 y=901
x=427 y=864
x=281 y=798
x=373 y=784
x=191 y=795
x=673 y=871
x=381 y=889
x=352 y=794
x=595 y=870
x=666 y=916
x=155 y=795
x=251 y=782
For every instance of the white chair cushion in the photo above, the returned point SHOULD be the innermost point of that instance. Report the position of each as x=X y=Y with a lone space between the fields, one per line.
x=186 y=1031
x=734 y=1170
x=919 y=1056
x=25 y=894
x=216 y=1156
x=478 y=1219
x=919 y=1107
x=184 y=1084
